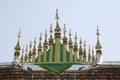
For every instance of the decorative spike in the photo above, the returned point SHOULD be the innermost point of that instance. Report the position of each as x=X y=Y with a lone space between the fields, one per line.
x=57 y=17
x=84 y=54
x=46 y=34
x=89 y=55
x=80 y=40
x=51 y=30
x=98 y=46
x=26 y=56
x=40 y=36
x=70 y=40
x=22 y=59
x=17 y=47
x=84 y=43
x=97 y=33
x=64 y=29
x=26 y=48
x=70 y=33
x=93 y=58
x=51 y=38
x=19 y=34
x=76 y=36
x=40 y=43
x=34 y=49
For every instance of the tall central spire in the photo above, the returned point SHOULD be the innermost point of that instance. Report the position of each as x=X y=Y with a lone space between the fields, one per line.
x=57 y=17
x=57 y=29
x=17 y=47
x=98 y=46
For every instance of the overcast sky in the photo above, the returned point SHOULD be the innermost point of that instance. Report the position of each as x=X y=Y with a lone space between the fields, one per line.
x=82 y=16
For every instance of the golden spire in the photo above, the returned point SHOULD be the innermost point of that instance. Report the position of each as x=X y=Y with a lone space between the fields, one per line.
x=30 y=52
x=64 y=38
x=93 y=57
x=57 y=29
x=22 y=56
x=98 y=46
x=84 y=54
x=51 y=38
x=64 y=30
x=18 y=43
x=45 y=42
x=75 y=44
x=26 y=56
x=17 y=47
x=51 y=30
x=70 y=39
x=80 y=45
x=89 y=55
x=34 y=48
x=57 y=17
x=40 y=43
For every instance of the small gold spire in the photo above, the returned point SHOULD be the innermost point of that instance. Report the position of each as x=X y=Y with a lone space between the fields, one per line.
x=22 y=59
x=70 y=40
x=97 y=33
x=34 y=49
x=84 y=54
x=26 y=56
x=30 y=53
x=45 y=42
x=46 y=34
x=80 y=41
x=51 y=38
x=40 y=44
x=57 y=17
x=19 y=34
x=75 y=44
x=76 y=36
x=51 y=30
x=35 y=41
x=64 y=30
x=98 y=46
x=23 y=50
x=93 y=58
x=84 y=43
x=26 y=48
x=89 y=55
x=30 y=44
x=70 y=33
x=80 y=49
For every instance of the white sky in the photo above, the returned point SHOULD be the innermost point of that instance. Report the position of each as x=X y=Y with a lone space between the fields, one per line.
x=34 y=16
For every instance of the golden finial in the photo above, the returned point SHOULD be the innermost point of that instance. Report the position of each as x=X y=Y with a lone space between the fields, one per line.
x=98 y=46
x=40 y=45
x=45 y=34
x=76 y=36
x=70 y=33
x=23 y=50
x=35 y=41
x=84 y=43
x=30 y=44
x=19 y=34
x=89 y=48
x=80 y=41
x=57 y=17
x=92 y=50
x=97 y=33
x=64 y=29
x=26 y=48
x=40 y=36
x=51 y=30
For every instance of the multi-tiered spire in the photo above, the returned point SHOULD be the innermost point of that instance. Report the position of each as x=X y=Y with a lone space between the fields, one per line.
x=98 y=47
x=17 y=47
x=55 y=50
